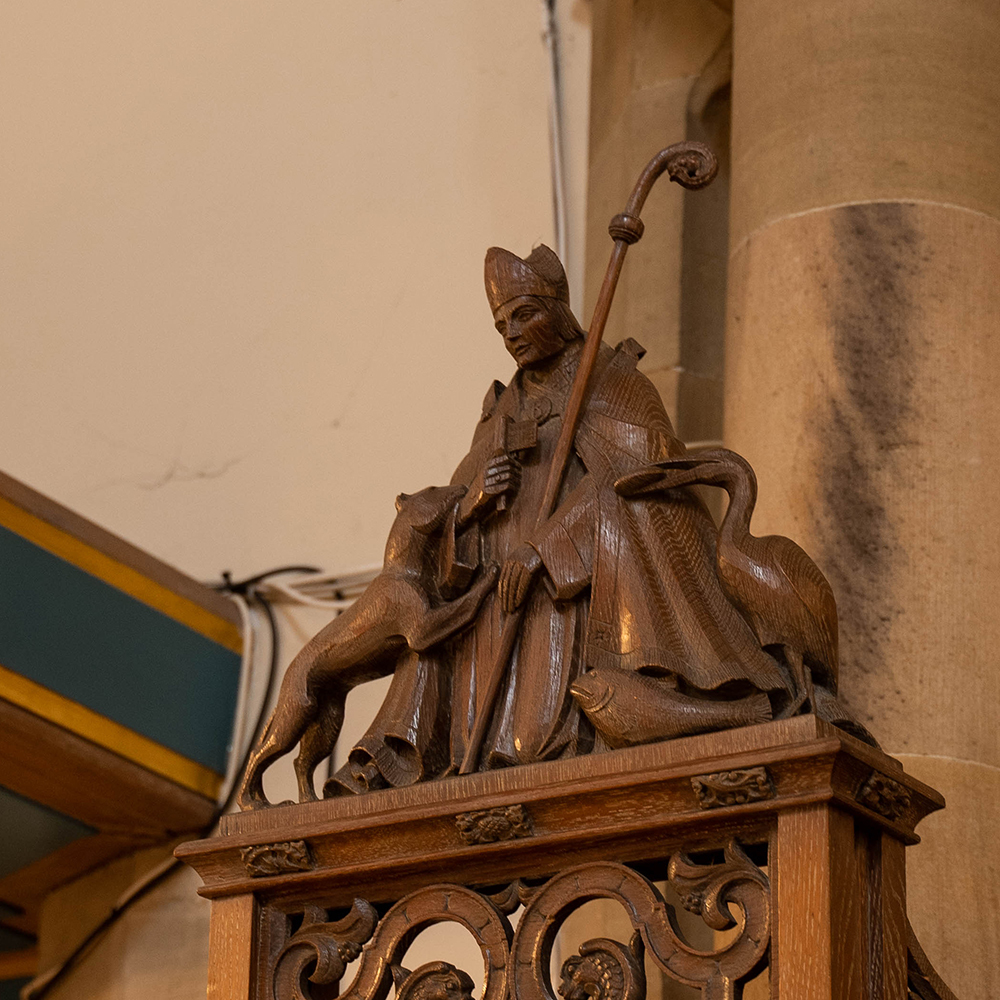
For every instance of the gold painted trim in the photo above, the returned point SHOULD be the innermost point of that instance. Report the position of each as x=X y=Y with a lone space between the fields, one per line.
x=66 y=546
x=106 y=733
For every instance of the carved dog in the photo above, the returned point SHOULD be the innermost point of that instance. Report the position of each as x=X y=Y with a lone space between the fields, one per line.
x=395 y=611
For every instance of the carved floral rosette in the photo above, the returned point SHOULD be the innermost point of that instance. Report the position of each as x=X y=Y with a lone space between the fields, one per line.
x=316 y=956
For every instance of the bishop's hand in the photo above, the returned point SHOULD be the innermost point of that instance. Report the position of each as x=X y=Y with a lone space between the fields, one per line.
x=500 y=483
x=502 y=476
x=516 y=576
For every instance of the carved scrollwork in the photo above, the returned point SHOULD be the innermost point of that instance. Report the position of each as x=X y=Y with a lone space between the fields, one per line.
x=322 y=949
x=520 y=892
x=707 y=888
x=731 y=788
x=319 y=952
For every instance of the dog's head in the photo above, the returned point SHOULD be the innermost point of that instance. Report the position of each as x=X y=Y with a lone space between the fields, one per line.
x=425 y=511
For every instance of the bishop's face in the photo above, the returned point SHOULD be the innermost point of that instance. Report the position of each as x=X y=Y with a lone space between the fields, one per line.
x=530 y=332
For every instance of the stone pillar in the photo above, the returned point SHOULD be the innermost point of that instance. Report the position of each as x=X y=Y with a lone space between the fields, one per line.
x=655 y=66
x=862 y=361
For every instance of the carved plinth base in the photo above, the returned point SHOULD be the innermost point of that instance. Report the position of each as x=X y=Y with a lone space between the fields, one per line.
x=799 y=827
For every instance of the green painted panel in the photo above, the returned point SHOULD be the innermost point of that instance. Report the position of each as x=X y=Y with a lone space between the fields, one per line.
x=12 y=940
x=29 y=831
x=89 y=641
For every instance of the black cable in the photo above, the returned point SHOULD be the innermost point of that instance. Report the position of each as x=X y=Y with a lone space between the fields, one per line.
x=245 y=588
x=97 y=932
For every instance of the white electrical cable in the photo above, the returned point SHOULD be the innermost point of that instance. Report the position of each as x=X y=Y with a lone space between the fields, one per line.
x=241 y=715
x=334 y=592
x=330 y=591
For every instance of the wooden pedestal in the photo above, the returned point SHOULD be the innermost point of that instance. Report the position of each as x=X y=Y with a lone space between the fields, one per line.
x=793 y=825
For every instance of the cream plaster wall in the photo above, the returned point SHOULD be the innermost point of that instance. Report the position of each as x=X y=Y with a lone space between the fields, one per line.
x=241 y=289
x=243 y=244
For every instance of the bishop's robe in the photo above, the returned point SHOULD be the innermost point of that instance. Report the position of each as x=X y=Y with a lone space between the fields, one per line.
x=626 y=583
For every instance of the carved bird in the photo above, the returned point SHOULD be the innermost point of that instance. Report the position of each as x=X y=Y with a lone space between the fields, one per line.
x=779 y=590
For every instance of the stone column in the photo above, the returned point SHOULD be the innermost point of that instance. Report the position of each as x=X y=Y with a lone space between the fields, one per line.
x=862 y=364
x=655 y=69
x=659 y=74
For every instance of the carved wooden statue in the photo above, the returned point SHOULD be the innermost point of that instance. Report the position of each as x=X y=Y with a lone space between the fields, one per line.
x=620 y=615
x=568 y=603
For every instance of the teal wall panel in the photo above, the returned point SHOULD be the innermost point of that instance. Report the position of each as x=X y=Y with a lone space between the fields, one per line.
x=92 y=643
x=29 y=831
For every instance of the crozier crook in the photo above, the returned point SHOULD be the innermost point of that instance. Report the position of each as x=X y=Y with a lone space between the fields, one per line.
x=694 y=166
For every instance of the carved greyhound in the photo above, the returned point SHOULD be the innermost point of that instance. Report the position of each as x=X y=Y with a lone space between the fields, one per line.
x=395 y=611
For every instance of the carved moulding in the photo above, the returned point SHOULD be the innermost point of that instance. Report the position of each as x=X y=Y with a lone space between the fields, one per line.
x=317 y=955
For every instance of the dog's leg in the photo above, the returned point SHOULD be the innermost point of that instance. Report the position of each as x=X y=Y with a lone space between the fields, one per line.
x=251 y=793
x=318 y=741
x=295 y=709
x=445 y=620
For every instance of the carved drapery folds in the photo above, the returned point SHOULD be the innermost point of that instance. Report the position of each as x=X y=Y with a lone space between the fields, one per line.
x=318 y=953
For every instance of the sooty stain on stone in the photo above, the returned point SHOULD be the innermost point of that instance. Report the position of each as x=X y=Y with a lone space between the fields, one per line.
x=862 y=420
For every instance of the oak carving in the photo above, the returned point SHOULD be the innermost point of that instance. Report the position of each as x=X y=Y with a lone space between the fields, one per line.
x=731 y=788
x=605 y=970
x=265 y=860
x=568 y=592
x=318 y=953
x=488 y=826
x=883 y=795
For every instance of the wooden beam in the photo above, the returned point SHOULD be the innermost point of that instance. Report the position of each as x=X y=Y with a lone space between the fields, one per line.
x=18 y=964
x=65 y=772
